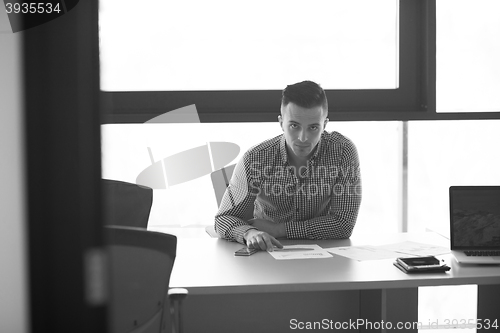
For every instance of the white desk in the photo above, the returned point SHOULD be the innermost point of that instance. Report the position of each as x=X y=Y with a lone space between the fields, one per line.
x=259 y=293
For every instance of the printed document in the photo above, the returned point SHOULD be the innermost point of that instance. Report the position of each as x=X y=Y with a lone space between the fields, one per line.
x=309 y=251
x=390 y=251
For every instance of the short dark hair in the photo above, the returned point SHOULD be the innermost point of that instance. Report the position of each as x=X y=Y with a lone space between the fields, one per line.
x=306 y=94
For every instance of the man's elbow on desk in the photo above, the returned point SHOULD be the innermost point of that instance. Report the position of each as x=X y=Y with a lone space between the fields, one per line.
x=230 y=228
x=221 y=231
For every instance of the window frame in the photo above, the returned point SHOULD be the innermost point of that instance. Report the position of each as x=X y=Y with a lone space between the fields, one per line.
x=415 y=99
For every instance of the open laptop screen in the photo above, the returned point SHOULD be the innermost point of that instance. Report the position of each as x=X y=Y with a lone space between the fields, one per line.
x=475 y=217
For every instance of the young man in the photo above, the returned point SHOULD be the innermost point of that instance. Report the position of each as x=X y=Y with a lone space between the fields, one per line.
x=302 y=184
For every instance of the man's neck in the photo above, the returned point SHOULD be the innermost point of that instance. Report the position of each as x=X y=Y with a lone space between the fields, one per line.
x=298 y=164
x=297 y=161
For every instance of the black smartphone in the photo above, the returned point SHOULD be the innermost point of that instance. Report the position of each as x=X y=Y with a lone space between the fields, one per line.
x=419 y=262
x=245 y=252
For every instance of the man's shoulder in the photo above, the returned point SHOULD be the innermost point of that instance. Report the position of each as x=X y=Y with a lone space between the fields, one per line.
x=336 y=146
x=267 y=146
x=336 y=138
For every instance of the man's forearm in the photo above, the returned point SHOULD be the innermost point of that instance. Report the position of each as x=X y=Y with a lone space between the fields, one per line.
x=231 y=227
x=323 y=227
x=276 y=230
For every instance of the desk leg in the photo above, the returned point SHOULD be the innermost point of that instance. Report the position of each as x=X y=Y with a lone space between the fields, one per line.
x=488 y=306
x=381 y=308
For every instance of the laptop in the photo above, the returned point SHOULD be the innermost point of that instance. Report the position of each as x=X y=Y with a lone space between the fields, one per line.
x=475 y=224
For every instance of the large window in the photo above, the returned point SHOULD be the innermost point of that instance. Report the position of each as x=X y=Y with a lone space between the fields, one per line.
x=467 y=85
x=185 y=209
x=446 y=153
x=196 y=45
x=378 y=60
x=232 y=58
x=468 y=53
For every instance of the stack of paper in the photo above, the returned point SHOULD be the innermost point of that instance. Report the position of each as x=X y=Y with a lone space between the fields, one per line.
x=391 y=251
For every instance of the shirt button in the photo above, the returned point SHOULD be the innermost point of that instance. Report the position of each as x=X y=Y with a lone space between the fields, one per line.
x=297 y=210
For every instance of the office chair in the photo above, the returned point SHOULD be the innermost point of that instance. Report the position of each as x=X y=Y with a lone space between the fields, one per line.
x=141 y=262
x=220 y=181
x=126 y=204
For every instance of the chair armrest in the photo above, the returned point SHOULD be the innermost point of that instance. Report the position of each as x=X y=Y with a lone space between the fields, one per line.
x=175 y=297
x=177 y=294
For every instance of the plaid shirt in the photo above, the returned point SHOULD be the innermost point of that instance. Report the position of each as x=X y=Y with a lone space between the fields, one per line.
x=322 y=203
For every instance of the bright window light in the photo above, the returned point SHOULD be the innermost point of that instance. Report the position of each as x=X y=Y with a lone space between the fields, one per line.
x=468 y=53
x=125 y=155
x=161 y=45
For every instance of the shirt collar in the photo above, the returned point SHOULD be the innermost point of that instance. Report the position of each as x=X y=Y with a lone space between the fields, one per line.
x=284 y=155
x=318 y=147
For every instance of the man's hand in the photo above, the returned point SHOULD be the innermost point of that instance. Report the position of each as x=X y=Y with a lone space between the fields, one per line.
x=274 y=229
x=261 y=240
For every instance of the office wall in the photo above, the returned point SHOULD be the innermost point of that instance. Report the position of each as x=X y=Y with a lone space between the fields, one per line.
x=13 y=292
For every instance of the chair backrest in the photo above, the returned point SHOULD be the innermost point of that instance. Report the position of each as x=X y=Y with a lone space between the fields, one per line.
x=141 y=262
x=126 y=204
x=220 y=181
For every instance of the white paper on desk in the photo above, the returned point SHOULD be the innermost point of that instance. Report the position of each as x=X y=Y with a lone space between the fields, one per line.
x=316 y=252
x=416 y=249
x=361 y=253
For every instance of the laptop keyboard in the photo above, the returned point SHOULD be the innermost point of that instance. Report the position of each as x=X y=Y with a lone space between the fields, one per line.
x=486 y=253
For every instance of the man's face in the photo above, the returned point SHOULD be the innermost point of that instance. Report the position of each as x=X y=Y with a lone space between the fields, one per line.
x=302 y=127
